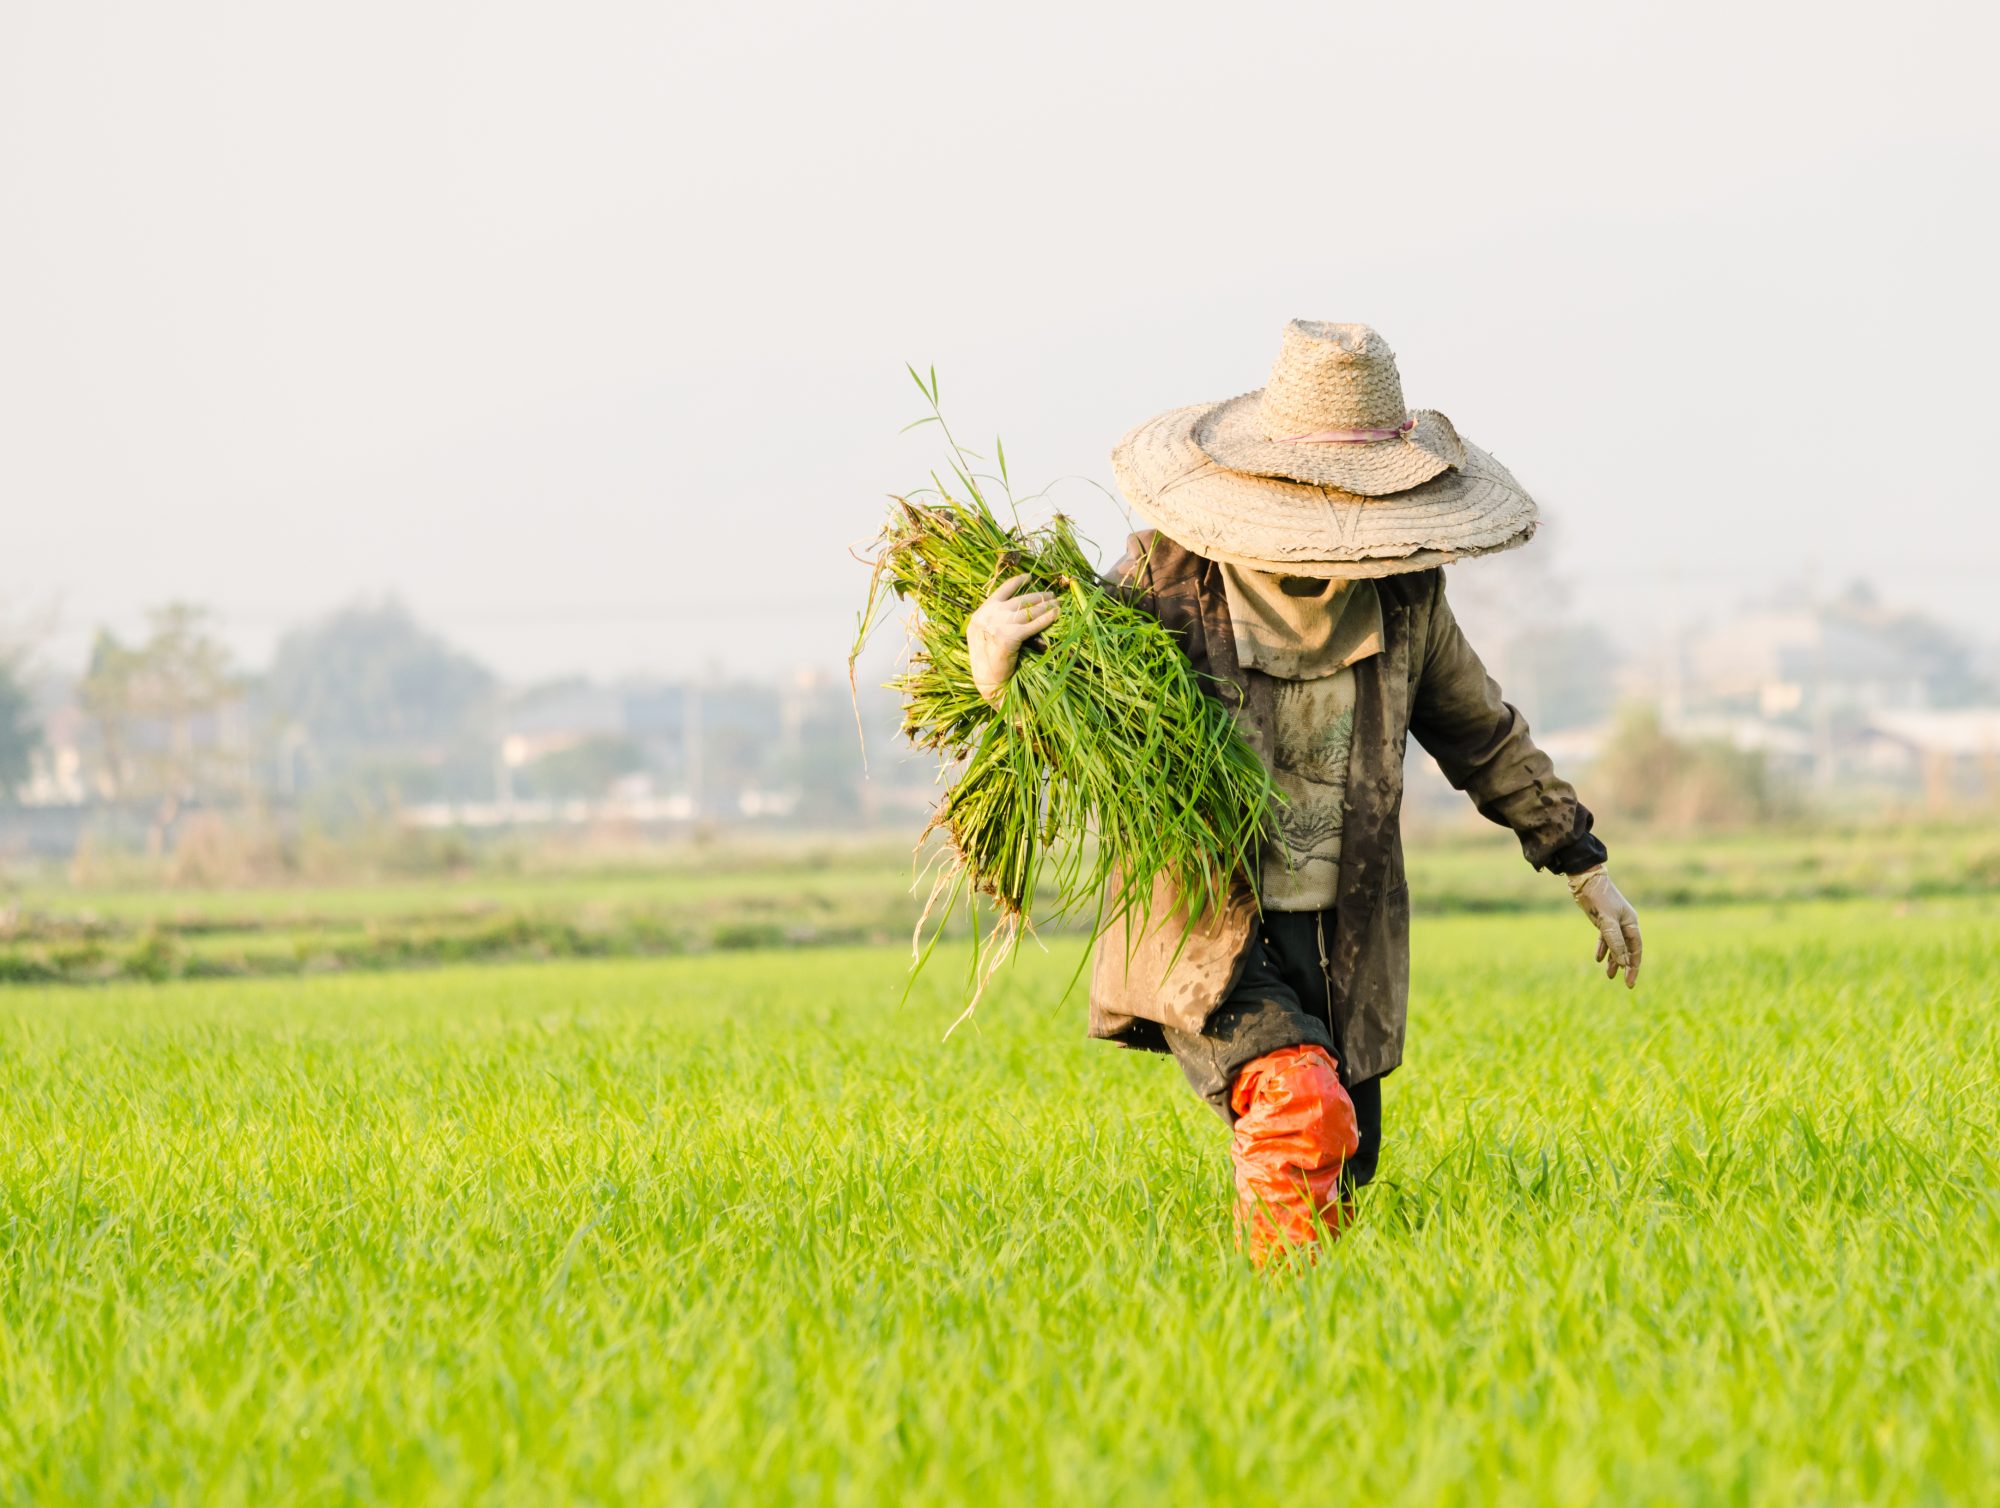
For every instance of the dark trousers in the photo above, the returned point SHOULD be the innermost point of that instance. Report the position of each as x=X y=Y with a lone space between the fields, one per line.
x=1282 y=999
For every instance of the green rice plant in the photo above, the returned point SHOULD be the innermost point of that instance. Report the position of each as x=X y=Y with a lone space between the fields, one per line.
x=721 y=1229
x=1104 y=768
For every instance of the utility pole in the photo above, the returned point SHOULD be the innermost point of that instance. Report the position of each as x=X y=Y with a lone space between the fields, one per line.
x=691 y=743
x=1822 y=710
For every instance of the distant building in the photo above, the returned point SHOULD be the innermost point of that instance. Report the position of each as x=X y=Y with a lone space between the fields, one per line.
x=57 y=774
x=1795 y=664
x=689 y=750
x=205 y=754
x=549 y=720
x=1952 y=754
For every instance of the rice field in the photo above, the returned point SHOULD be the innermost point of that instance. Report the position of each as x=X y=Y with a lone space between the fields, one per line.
x=734 y=1227
x=813 y=893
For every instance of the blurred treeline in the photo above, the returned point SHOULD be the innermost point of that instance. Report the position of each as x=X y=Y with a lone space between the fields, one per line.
x=369 y=747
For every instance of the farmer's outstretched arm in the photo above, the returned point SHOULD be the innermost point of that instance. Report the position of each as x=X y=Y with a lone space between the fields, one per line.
x=1482 y=744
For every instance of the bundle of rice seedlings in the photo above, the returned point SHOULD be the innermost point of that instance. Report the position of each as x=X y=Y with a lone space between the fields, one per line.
x=1104 y=767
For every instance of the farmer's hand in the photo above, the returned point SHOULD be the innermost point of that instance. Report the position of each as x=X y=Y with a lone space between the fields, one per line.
x=1616 y=922
x=995 y=632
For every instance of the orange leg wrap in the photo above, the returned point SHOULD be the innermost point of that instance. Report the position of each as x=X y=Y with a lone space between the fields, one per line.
x=1294 y=1130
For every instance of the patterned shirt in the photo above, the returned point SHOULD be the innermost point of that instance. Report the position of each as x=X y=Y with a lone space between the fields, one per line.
x=1306 y=635
x=1314 y=734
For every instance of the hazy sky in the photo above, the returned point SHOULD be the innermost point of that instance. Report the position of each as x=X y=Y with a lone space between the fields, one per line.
x=581 y=325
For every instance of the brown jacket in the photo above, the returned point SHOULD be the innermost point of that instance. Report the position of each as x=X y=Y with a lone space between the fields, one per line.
x=1426 y=683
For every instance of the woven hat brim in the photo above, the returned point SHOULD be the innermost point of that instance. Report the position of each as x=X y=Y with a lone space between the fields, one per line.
x=1232 y=435
x=1274 y=524
x=1353 y=570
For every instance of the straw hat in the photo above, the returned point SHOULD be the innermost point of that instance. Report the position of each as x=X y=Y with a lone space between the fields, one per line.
x=1323 y=471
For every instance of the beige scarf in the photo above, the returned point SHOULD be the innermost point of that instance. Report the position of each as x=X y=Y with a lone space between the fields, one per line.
x=1297 y=628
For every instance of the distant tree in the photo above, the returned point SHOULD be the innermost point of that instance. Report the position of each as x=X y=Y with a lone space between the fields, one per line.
x=106 y=696
x=828 y=768
x=371 y=679
x=1945 y=663
x=1648 y=776
x=20 y=735
x=1517 y=610
x=146 y=701
x=1560 y=674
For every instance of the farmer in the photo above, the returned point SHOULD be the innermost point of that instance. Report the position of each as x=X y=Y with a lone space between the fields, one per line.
x=1300 y=535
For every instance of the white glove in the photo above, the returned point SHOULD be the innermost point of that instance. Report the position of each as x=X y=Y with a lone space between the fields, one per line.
x=995 y=632
x=1616 y=922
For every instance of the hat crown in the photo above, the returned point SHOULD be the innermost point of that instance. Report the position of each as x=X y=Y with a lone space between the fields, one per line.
x=1331 y=376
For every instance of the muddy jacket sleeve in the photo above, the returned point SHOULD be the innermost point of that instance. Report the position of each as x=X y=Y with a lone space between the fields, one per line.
x=1128 y=577
x=1483 y=746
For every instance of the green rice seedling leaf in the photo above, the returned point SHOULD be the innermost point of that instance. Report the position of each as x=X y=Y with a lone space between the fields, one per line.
x=1106 y=767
